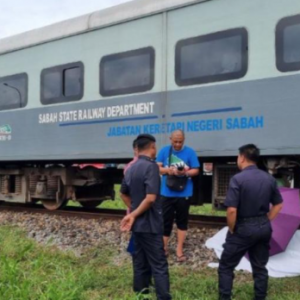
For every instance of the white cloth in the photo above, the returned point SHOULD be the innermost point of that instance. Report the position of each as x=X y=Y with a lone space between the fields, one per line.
x=285 y=264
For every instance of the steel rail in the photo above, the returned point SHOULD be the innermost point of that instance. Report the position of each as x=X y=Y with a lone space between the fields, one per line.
x=102 y=213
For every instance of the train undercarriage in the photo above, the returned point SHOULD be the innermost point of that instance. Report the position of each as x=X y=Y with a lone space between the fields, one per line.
x=286 y=171
x=54 y=186
x=89 y=185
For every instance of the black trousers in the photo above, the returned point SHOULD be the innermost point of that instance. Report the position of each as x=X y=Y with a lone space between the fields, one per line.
x=252 y=237
x=175 y=208
x=149 y=258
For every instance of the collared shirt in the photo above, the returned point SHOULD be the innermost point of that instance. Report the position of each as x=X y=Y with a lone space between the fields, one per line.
x=143 y=178
x=130 y=164
x=185 y=157
x=252 y=191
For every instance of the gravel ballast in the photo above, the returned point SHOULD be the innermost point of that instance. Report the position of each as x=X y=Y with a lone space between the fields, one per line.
x=78 y=235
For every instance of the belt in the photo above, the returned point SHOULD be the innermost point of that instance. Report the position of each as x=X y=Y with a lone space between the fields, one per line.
x=252 y=219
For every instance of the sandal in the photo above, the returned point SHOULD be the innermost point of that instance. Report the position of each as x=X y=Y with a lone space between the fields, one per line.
x=181 y=258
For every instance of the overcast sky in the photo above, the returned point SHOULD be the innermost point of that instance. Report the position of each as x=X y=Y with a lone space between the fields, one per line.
x=17 y=16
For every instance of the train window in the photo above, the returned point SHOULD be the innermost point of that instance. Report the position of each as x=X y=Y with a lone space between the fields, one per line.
x=288 y=44
x=127 y=73
x=214 y=57
x=71 y=78
x=13 y=91
x=62 y=83
x=52 y=83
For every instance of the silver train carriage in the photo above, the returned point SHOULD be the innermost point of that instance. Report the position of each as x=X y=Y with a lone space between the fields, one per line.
x=78 y=92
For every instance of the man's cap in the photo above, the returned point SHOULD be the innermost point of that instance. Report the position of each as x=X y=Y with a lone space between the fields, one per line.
x=146 y=136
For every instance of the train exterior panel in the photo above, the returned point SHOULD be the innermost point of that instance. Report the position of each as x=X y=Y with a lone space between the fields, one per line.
x=250 y=95
x=217 y=121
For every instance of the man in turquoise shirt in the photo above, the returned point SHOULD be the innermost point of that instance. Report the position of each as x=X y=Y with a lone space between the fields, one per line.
x=183 y=162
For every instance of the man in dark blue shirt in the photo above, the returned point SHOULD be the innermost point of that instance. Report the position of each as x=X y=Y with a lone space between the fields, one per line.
x=140 y=189
x=248 y=202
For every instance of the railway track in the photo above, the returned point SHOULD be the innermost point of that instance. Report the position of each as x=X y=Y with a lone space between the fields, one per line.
x=98 y=213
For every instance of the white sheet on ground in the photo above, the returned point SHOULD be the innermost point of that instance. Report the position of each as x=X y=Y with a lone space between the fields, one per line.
x=285 y=264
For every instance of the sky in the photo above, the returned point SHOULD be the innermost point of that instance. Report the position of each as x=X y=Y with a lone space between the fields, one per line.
x=17 y=16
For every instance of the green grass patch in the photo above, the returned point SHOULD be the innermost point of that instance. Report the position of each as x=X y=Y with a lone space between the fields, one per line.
x=28 y=271
x=206 y=209
x=32 y=272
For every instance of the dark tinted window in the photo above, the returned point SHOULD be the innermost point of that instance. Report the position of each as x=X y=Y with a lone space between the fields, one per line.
x=62 y=83
x=72 y=83
x=288 y=44
x=52 y=83
x=127 y=72
x=213 y=57
x=13 y=91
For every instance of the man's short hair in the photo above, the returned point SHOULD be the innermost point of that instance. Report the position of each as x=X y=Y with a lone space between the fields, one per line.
x=143 y=141
x=134 y=144
x=251 y=152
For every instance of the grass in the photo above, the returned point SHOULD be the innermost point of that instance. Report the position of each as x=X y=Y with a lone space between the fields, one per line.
x=206 y=209
x=31 y=272
x=28 y=271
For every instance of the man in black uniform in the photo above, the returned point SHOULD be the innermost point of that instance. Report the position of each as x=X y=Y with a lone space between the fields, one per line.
x=248 y=217
x=141 y=189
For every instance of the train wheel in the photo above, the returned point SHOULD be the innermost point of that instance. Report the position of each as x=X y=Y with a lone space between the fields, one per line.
x=53 y=204
x=58 y=191
x=90 y=204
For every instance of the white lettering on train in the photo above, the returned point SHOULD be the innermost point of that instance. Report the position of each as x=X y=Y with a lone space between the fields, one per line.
x=48 y=118
x=98 y=113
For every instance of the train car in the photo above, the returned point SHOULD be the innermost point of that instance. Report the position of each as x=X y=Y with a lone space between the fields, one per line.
x=78 y=92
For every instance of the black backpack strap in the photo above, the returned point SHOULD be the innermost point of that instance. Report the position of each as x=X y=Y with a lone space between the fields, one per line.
x=170 y=154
